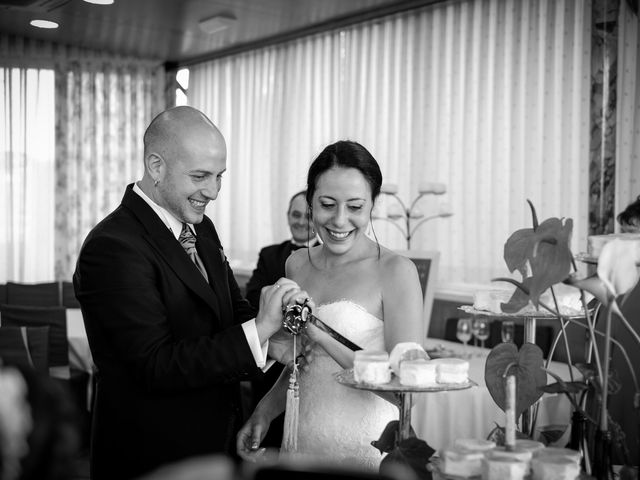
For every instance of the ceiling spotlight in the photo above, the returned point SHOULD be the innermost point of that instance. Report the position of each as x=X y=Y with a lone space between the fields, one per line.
x=217 y=23
x=100 y=2
x=43 y=24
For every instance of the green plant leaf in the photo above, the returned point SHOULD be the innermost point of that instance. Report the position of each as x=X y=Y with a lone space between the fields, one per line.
x=388 y=438
x=517 y=250
x=534 y=215
x=413 y=454
x=552 y=260
x=550 y=434
x=528 y=369
x=565 y=387
x=520 y=297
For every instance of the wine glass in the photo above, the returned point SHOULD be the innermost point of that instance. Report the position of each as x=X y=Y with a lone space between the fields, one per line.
x=463 y=332
x=475 y=324
x=507 y=331
x=482 y=330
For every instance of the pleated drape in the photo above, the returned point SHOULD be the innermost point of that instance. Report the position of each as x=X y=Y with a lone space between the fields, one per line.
x=490 y=97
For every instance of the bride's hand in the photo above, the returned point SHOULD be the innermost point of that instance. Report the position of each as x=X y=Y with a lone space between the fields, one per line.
x=250 y=436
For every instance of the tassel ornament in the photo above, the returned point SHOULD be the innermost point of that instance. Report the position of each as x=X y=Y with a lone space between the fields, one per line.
x=295 y=318
x=290 y=432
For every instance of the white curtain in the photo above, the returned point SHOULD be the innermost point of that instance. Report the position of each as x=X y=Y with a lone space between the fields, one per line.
x=71 y=140
x=490 y=97
x=26 y=173
x=628 y=110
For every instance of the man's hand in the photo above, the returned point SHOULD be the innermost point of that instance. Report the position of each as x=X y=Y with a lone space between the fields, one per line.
x=272 y=300
x=269 y=318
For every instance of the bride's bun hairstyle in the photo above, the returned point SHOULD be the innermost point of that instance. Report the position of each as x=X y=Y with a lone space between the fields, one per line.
x=345 y=154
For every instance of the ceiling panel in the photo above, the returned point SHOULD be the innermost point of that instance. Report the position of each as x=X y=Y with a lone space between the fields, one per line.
x=167 y=30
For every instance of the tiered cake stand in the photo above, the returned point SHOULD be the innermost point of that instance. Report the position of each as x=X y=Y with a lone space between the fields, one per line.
x=345 y=377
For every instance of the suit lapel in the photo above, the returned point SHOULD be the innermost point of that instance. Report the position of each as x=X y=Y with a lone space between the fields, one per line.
x=211 y=255
x=162 y=240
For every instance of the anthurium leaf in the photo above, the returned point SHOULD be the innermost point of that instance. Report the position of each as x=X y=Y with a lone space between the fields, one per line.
x=387 y=441
x=527 y=368
x=534 y=215
x=518 y=284
x=412 y=453
x=497 y=435
x=588 y=370
x=517 y=250
x=551 y=262
x=565 y=387
x=550 y=434
x=520 y=297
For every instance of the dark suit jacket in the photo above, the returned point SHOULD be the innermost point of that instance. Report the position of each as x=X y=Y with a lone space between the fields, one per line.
x=270 y=268
x=168 y=346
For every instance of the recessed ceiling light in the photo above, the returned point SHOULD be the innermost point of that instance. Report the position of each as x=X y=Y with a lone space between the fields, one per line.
x=100 y=2
x=43 y=24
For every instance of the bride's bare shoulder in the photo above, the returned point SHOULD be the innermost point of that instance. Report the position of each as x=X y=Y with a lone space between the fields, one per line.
x=298 y=259
x=396 y=264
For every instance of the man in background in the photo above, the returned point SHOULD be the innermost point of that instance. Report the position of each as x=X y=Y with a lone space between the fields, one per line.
x=270 y=268
x=272 y=258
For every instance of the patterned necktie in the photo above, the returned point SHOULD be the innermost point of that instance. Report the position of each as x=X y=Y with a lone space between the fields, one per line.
x=188 y=241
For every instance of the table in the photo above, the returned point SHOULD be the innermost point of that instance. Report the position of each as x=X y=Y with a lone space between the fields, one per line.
x=79 y=352
x=439 y=418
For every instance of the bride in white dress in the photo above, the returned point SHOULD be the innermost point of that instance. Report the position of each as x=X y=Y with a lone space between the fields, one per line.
x=367 y=293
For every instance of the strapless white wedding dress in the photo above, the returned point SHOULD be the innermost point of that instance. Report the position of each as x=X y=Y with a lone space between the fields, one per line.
x=338 y=423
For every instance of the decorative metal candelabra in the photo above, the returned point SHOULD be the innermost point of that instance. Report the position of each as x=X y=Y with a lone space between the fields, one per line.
x=403 y=217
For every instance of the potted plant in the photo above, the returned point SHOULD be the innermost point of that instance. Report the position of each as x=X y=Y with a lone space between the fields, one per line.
x=543 y=257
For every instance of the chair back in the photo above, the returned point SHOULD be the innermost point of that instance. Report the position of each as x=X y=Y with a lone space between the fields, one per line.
x=53 y=317
x=34 y=294
x=69 y=299
x=427 y=263
x=26 y=347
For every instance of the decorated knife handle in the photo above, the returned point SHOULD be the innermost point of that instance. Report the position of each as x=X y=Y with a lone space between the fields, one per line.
x=295 y=317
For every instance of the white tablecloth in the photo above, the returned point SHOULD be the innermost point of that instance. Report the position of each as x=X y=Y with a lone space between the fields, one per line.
x=439 y=418
x=79 y=352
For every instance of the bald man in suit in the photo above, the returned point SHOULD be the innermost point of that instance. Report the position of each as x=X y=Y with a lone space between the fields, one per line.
x=169 y=331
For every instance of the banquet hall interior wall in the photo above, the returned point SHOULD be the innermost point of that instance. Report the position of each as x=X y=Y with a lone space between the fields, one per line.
x=488 y=176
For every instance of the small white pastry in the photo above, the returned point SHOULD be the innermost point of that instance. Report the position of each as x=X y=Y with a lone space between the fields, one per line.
x=451 y=370
x=405 y=351
x=517 y=454
x=554 y=468
x=417 y=373
x=573 y=455
x=474 y=444
x=531 y=445
x=462 y=462
x=503 y=469
x=371 y=366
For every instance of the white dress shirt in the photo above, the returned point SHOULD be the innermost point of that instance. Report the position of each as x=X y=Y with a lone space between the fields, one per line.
x=249 y=327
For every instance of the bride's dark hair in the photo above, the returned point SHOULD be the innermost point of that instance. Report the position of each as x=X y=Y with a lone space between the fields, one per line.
x=346 y=154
